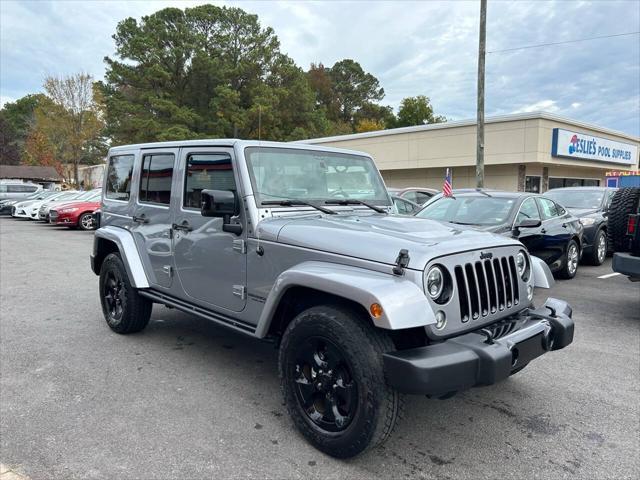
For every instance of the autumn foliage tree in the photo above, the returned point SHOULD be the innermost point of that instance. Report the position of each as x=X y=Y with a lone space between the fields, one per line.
x=69 y=121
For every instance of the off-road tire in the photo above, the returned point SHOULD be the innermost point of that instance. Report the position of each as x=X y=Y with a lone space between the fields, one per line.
x=81 y=225
x=566 y=272
x=624 y=203
x=592 y=258
x=136 y=310
x=379 y=406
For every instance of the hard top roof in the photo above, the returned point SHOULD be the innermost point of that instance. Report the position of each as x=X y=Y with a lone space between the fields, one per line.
x=231 y=142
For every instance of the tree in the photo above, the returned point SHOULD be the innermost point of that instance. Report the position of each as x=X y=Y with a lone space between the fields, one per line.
x=369 y=125
x=70 y=122
x=353 y=88
x=9 y=154
x=205 y=71
x=417 y=111
x=17 y=120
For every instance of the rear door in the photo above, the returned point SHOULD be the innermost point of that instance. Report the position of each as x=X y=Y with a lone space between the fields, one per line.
x=210 y=263
x=152 y=214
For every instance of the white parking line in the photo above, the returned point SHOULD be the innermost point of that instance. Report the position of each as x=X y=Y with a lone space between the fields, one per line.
x=609 y=275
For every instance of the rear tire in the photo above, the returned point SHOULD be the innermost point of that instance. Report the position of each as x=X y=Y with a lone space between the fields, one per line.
x=624 y=202
x=599 y=253
x=332 y=379
x=570 y=262
x=124 y=309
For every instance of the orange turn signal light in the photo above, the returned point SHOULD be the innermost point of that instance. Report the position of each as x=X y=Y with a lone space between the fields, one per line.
x=376 y=310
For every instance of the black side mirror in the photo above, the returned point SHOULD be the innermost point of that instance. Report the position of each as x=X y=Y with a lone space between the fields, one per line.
x=529 y=223
x=224 y=204
x=218 y=203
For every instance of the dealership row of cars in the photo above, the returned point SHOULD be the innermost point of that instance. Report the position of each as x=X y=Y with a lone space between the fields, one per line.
x=561 y=227
x=71 y=208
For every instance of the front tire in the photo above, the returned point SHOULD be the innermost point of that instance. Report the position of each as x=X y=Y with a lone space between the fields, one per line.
x=571 y=260
x=332 y=379
x=124 y=309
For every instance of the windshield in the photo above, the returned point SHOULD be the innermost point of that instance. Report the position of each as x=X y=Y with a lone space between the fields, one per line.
x=577 y=198
x=67 y=196
x=287 y=173
x=469 y=210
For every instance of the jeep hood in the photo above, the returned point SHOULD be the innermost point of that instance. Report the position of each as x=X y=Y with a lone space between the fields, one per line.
x=378 y=238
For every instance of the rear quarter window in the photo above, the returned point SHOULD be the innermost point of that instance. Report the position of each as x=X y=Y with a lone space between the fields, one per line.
x=118 y=177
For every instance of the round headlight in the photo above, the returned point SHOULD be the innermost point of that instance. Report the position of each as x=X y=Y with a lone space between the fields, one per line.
x=521 y=264
x=435 y=282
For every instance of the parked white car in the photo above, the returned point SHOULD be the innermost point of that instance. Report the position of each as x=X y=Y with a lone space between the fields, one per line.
x=15 y=190
x=29 y=209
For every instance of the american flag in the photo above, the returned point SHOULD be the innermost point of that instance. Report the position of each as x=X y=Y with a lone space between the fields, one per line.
x=446 y=188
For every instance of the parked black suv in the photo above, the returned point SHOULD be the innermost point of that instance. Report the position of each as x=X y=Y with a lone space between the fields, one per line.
x=591 y=206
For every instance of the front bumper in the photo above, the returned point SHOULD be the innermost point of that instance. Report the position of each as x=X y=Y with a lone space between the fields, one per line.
x=480 y=358
x=626 y=264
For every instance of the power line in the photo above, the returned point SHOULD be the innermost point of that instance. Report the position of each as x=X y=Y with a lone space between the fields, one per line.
x=561 y=43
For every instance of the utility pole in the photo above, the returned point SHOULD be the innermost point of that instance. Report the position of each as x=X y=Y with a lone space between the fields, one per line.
x=480 y=115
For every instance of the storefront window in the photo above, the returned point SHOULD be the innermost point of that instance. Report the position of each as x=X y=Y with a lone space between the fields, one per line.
x=559 y=182
x=532 y=184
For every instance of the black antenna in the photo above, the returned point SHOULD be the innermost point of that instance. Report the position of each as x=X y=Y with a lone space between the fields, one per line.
x=259 y=122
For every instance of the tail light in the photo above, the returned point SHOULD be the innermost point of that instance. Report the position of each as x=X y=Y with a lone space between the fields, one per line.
x=632 y=224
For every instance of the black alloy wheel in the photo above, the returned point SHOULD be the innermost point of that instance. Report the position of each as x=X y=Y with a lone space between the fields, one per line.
x=124 y=309
x=115 y=296
x=324 y=386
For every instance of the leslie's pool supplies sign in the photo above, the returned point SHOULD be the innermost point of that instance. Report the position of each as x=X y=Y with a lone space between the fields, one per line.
x=588 y=147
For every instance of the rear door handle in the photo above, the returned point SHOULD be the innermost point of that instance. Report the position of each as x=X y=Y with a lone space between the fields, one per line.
x=141 y=219
x=184 y=226
x=543 y=231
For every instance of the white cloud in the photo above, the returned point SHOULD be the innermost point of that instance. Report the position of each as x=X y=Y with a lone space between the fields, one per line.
x=543 y=105
x=576 y=105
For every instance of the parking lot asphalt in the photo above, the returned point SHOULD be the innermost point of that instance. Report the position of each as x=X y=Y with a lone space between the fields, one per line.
x=188 y=399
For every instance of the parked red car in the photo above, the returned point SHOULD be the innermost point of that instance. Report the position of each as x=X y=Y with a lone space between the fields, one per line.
x=75 y=214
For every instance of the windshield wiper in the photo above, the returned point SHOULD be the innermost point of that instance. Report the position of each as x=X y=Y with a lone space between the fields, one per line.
x=290 y=203
x=462 y=223
x=353 y=201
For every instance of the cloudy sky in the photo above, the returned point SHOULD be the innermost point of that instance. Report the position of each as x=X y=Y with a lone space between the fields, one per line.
x=414 y=48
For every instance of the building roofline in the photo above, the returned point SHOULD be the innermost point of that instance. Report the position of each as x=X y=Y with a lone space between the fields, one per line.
x=469 y=122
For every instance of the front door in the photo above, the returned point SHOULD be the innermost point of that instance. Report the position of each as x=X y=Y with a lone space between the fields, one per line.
x=152 y=215
x=210 y=263
x=531 y=237
x=555 y=231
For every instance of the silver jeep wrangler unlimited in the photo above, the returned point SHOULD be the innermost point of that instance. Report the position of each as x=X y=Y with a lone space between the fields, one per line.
x=298 y=244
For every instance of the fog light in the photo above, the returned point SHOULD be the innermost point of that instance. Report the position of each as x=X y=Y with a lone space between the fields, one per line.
x=441 y=320
x=376 y=310
x=529 y=292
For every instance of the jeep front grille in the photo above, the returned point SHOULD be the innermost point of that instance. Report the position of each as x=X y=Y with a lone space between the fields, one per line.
x=486 y=287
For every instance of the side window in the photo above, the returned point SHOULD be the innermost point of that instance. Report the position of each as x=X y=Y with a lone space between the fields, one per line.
x=411 y=195
x=119 y=177
x=155 y=178
x=14 y=188
x=528 y=210
x=548 y=208
x=422 y=197
x=206 y=171
x=561 y=211
x=31 y=188
x=610 y=195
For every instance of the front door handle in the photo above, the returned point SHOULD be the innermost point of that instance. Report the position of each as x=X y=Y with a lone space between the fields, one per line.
x=184 y=226
x=543 y=231
x=141 y=219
